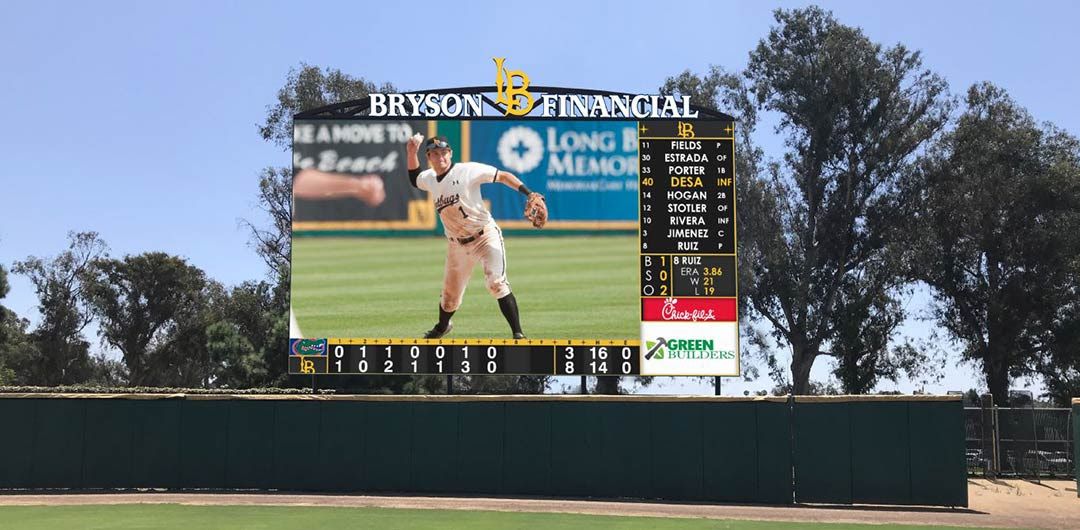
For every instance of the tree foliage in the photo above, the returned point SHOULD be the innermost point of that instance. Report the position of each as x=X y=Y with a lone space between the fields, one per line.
x=247 y=344
x=817 y=224
x=309 y=87
x=273 y=243
x=852 y=115
x=510 y=384
x=995 y=225
x=61 y=355
x=12 y=335
x=154 y=309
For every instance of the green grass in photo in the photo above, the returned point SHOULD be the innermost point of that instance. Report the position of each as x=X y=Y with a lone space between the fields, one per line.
x=566 y=287
x=186 y=517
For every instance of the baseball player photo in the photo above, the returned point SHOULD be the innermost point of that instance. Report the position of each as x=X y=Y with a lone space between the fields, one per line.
x=472 y=235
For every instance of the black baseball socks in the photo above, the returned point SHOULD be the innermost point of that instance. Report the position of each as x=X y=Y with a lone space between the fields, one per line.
x=444 y=318
x=508 y=305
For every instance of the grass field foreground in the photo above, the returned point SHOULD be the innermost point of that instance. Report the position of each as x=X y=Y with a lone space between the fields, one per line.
x=187 y=517
x=566 y=287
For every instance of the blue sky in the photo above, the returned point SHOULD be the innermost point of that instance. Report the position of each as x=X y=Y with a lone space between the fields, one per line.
x=138 y=119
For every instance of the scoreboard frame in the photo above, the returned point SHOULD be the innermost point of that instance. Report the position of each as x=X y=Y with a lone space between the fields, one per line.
x=559 y=357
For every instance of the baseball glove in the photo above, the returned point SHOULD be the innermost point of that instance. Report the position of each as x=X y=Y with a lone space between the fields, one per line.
x=536 y=210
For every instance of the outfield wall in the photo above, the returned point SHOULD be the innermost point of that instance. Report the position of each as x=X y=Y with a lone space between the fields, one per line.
x=895 y=450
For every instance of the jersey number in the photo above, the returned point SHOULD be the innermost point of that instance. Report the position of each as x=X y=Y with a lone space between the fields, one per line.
x=463 y=214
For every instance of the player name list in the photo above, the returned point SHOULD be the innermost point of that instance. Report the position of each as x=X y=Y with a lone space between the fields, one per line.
x=687 y=208
x=687 y=188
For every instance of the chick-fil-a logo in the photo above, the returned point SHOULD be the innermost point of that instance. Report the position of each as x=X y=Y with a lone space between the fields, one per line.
x=692 y=309
x=671 y=312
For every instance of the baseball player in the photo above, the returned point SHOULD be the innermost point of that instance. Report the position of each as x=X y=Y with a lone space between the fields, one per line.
x=471 y=232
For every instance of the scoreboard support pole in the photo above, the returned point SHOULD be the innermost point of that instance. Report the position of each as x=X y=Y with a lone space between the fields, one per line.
x=449 y=384
x=584 y=385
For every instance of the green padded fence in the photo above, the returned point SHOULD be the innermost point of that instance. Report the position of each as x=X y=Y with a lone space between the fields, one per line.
x=875 y=450
x=1076 y=441
x=752 y=450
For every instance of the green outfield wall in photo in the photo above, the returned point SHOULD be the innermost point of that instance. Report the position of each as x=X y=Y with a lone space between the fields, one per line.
x=879 y=450
x=895 y=450
x=1076 y=436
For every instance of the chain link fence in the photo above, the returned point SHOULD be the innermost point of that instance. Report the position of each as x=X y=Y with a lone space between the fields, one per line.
x=1030 y=442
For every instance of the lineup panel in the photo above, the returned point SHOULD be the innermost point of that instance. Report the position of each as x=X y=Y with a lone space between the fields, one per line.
x=687 y=189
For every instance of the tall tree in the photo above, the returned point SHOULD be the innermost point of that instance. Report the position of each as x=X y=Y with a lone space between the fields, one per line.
x=852 y=114
x=182 y=357
x=246 y=345
x=13 y=341
x=62 y=354
x=815 y=261
x=274 y=243
x=152 y=307
x=6 y=314
x=236 y=363
x=996 y=228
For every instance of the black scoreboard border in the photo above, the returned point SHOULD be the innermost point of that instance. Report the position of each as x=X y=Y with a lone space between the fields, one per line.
x=358 y=110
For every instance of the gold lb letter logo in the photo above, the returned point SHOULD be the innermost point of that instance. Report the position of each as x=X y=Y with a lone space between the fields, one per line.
x=307 y=366
x=510 y=95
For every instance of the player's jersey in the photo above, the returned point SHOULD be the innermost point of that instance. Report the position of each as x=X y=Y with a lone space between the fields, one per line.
x=457 y=197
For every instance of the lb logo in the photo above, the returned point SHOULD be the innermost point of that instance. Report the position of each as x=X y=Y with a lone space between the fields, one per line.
x=510 y=94
x=520 y=149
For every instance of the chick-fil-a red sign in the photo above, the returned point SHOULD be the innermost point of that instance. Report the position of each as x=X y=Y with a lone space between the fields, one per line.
x=689 y=309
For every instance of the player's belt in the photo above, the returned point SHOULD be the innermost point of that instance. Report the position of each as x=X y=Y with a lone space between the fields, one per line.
x=470 y=239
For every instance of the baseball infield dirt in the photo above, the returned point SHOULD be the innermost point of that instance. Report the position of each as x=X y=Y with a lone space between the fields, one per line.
x=1053 y=504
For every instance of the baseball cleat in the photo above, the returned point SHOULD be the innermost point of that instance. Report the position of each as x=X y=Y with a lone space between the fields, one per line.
x=435 y=333
x=520 y=336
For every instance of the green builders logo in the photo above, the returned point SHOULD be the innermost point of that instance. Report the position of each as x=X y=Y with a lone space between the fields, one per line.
x=662 y=348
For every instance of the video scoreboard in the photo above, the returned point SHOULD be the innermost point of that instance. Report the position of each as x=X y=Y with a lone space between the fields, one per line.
x=689 y=314
x=578 y=147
